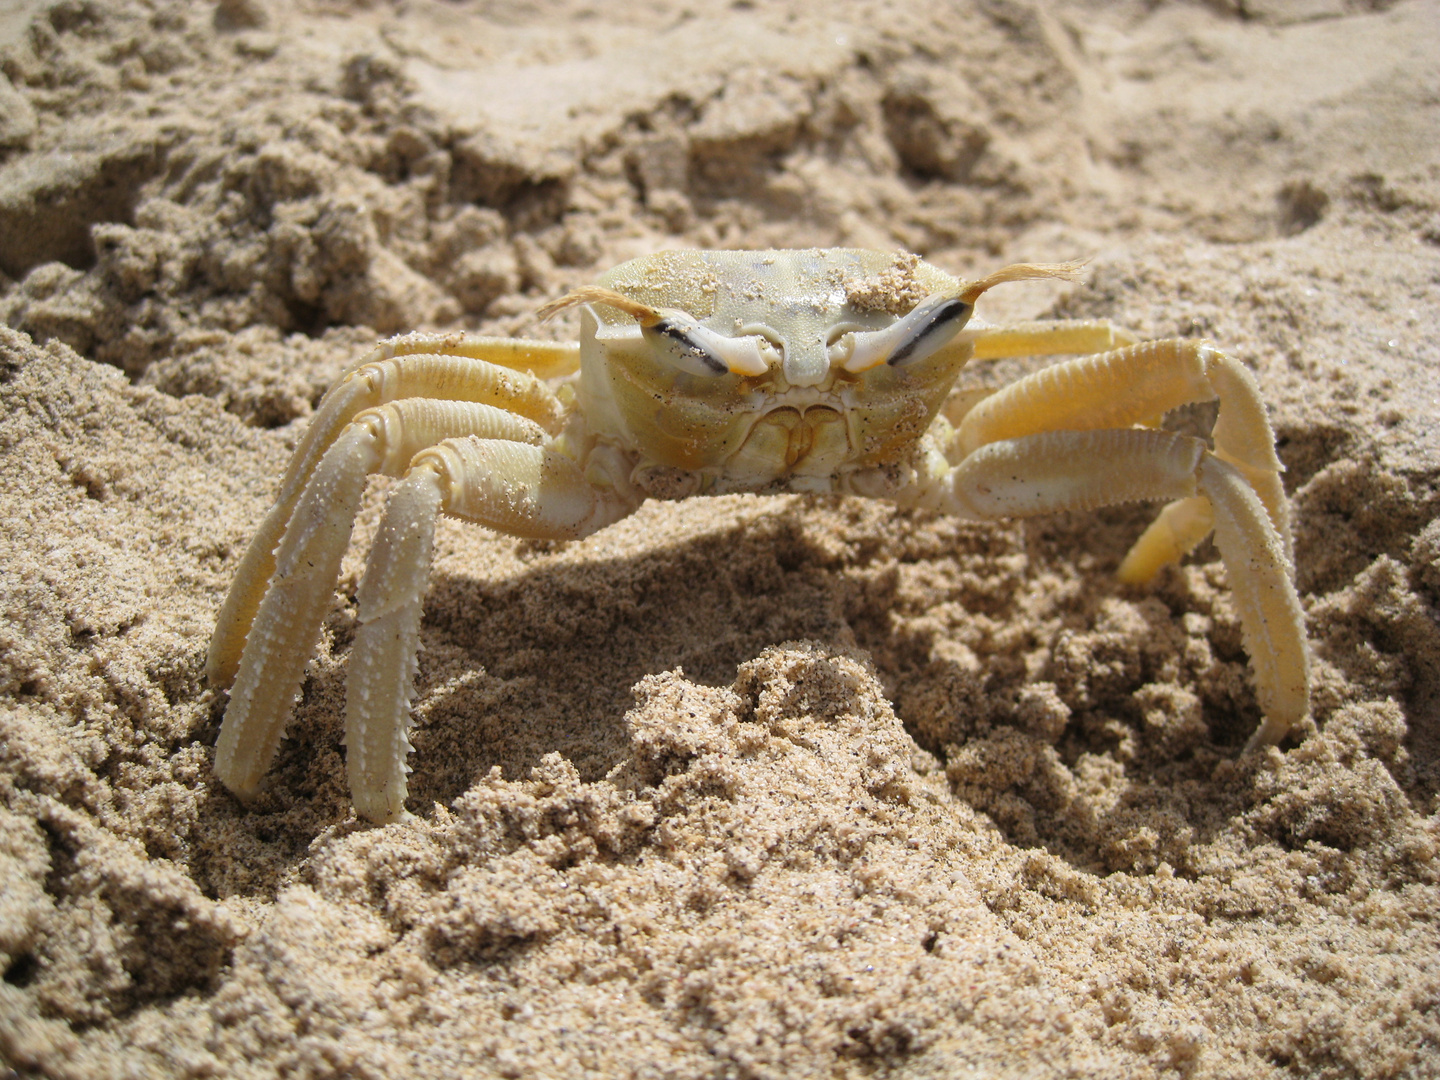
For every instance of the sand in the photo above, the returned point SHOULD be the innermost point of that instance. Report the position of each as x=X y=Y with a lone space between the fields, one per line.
x=747 y=786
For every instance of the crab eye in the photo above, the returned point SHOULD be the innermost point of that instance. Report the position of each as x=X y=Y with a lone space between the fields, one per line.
x=937 y=325
x=925 y=330
x=683 y=347
x=684 y=343
x=677 y=336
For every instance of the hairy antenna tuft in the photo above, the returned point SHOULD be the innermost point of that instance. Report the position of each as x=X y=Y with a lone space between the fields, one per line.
x=595 y=294
x=1067 y=271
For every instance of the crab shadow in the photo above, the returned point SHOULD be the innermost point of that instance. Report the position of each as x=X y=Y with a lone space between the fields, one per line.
x=546 y=660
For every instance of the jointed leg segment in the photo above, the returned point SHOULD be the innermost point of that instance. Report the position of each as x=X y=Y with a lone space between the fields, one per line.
x=522 y=489
x=1048 y=337
x=1136 y=385
x=414 y=366
x=1065 y=439
x=482 y=453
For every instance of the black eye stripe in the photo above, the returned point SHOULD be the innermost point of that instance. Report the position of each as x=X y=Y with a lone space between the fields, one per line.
x=678 y=334
x=941 y=318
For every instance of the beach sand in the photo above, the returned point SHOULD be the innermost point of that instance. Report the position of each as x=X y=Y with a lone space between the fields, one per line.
x=746 y=786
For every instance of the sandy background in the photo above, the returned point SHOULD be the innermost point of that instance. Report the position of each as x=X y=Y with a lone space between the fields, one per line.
x=746 y=787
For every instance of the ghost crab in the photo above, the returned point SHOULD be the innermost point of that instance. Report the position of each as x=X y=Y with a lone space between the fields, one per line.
x=706 y=372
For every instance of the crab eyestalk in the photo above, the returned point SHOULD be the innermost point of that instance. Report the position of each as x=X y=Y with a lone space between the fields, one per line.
x=677 y=337
x=934 y=322
x=930 y=326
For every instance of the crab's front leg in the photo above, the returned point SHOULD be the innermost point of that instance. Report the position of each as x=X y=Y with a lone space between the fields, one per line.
x=444 y=391
x=502 y=372
x=522 y=490
x=514 y=484
x=1062 y=439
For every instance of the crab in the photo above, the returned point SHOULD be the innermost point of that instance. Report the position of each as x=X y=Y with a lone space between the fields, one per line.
x=706 y=372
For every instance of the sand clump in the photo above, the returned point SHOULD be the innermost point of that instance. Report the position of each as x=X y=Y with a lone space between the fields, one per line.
x=742 y=787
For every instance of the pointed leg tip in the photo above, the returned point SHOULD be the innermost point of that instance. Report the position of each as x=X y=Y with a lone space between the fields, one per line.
x=383 y=812
x=1135 y=572
x=244 y=787
x=1271 y=731
x=220 y=671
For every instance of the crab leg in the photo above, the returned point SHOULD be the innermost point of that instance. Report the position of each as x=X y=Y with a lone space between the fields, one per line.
x=521 y=490
x=1082 y=470
x=543 y=359
x=412 y=366
x=1051 y=337
x=1137 y=385
x=297 y=593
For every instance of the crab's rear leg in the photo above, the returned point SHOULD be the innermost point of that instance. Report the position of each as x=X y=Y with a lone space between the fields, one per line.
x=496 y=371
x=1048 y=337
x=531 y=491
